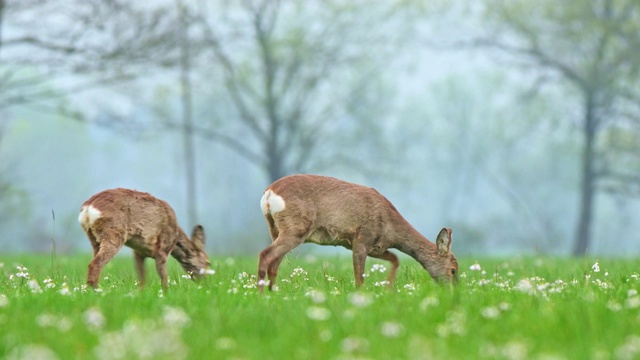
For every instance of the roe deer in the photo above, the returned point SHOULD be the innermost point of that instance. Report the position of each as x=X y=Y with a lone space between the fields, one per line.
x=329 y=211
x=148 y=225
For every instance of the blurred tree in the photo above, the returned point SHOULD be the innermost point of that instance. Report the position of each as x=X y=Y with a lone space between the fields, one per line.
x=291 y=71
x=13 y=200
x=105 y=41
x=593 y=46
x=75 y=47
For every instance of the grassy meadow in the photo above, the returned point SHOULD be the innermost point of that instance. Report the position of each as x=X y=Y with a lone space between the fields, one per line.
x=521 y=308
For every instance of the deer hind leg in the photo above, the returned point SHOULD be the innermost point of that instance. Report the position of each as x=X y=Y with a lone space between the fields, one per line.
x=273 y=254
x=389 y=256
x=94 y=242
x=272 y=271
x=107 y=250
x=139 y=262
x=273 y=230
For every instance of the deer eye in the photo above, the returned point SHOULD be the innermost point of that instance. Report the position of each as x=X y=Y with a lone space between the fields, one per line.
x=453 y=271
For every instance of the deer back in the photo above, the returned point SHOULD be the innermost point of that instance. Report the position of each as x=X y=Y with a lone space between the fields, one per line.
x=132 y=214
x=330 y=203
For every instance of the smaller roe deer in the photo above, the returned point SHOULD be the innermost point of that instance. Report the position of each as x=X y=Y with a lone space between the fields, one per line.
x=328 y=211
x=148 y=225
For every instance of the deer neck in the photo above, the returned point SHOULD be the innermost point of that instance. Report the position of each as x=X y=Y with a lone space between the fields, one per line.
x=412 y=243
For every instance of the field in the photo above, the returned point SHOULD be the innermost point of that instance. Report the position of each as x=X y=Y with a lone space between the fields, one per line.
x=522 y=308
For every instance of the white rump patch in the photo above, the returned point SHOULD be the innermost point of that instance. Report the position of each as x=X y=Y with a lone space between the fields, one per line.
x=88 y=215
x=271 y=202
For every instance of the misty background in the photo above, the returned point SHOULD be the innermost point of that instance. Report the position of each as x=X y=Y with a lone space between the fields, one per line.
x=516 y=123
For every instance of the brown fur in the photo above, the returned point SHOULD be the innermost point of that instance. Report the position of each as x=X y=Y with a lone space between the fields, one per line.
x=329 y=211
x=144 y=223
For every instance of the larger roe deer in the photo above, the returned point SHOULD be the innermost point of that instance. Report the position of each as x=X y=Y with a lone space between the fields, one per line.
x=329 y=211
x=148 y=225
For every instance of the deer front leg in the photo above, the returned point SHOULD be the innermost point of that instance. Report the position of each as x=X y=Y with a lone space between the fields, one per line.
x=359 y=260
x=139 y=261
x=161 y=268
x=106 y=252
x=389 y=256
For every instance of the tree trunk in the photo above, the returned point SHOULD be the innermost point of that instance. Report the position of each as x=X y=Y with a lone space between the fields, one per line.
x=587 y=195
x=2 y=6
x=275 y=167
x=187 y=123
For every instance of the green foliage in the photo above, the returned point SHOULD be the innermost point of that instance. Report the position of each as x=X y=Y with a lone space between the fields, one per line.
x=501 y=309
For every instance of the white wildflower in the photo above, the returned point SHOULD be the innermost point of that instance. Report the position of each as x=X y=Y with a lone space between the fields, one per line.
x=595 y=267
x=632 y=302
x=225 y=343
x=378 y=268
x=353 y=344
x=475 y=267
x=64 y=289
x=32 y=351
x=360 y=299
x=318 y=313
x=175 y=317
x=428 y=302
x=23 y=272
x=525 y=286
x=34 y=286
x=630 y=349
x=614 y=306
x=454 y=325
x=64 y=324
x=45 y=320
x=204 y=271
x=381 y=283
x=48 y=283
x=4 y=300
x=391 y=329
x=410 y=287
x=490 y=312
x=316 y=296
x=325 y=335
x=298 y=272
x=632 y=292
x=93 y=319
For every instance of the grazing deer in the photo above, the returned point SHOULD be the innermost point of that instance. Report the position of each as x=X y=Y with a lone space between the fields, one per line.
x=328 y=211
x=148 y=225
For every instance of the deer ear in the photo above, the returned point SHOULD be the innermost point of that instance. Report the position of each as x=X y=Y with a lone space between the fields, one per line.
x=197 y=236
x=444 y=241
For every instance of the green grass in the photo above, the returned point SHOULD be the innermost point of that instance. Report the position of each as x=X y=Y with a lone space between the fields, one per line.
x=521 y=308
